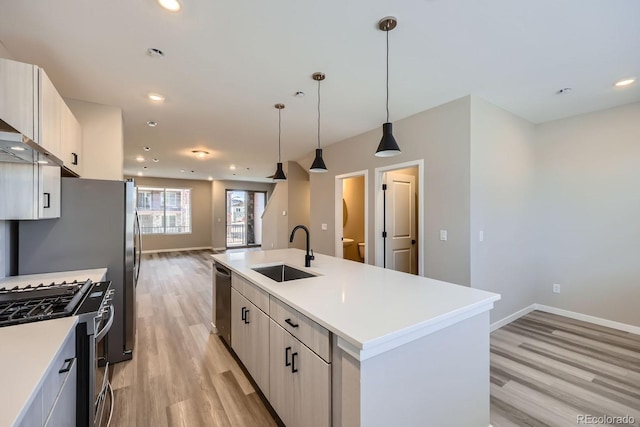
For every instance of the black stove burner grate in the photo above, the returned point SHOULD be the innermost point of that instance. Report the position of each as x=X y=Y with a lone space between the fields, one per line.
x=42 y=302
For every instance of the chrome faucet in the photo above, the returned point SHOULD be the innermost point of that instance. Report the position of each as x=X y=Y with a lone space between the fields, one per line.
x=309 y=256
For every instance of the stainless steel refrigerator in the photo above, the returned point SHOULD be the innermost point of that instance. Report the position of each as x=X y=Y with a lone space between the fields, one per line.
x=98 y=227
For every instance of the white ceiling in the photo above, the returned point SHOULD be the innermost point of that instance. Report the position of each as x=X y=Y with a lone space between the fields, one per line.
x=228 y=62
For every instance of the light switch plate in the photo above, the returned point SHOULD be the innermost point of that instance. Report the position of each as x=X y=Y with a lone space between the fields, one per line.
x=556 y=288
x=323 y=227
x=481 y=236
x=443 y=235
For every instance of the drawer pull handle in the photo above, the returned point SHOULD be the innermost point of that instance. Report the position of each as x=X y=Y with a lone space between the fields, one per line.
x=290 y=323
x=68 y=363
x=244 y=314
x=293 y=362
x=286 y=356
x=75 y=158
x=47 y=200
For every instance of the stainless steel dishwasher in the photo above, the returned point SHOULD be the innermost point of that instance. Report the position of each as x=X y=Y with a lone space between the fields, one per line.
x=223 y=302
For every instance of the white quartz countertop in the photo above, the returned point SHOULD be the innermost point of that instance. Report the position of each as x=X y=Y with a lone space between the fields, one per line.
x=96 y=275
x=370 y=309
x=27 y=352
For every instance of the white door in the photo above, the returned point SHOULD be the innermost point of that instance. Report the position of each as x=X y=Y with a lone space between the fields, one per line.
x=400 y=222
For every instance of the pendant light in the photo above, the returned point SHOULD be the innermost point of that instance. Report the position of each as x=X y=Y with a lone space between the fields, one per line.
x=318 y=165
x=388 y=146
x=279 y=175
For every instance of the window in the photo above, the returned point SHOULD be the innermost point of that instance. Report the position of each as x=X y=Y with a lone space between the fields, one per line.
x=164 y=210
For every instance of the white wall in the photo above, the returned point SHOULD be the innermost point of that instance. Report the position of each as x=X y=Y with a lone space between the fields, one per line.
x=502 y=173
x=440 y=136
x=587 y=190
x=274 y=224
x=102 y=139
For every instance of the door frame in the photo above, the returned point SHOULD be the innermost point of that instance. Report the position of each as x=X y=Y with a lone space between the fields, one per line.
x=379 y=211
x=226 y=211
x=338 y=210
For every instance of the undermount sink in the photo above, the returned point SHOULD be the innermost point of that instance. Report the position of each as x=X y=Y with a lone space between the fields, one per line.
x=282 y=273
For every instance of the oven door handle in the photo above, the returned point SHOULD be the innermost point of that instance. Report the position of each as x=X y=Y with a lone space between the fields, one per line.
x=107 y=326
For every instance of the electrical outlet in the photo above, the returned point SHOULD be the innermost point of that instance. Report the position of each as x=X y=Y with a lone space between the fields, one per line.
x=556 y=288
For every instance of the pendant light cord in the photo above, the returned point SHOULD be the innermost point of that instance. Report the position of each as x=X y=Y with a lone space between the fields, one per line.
x=318 y=113
x=279 y=111
x=387 y=75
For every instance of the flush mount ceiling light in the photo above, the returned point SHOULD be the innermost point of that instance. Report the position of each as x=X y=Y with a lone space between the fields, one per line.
x=155 y=53
x=318 y=165
x=625 y=82
x=279 y=175
x=201 y=154
x=170 y=5
x=210 y=178
x=152 y=124
x=139 y=173
x=156 y=97
x=140 y=159
x=232 y=167
x=388 y=146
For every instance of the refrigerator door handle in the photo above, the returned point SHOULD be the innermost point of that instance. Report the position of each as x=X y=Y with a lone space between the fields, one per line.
x=137 y=253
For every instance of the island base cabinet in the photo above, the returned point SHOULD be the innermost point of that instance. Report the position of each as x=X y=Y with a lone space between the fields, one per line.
x=250 y=338
x=300 y=383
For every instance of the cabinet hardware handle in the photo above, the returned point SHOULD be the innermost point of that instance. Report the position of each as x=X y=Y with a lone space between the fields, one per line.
x=68 y=363
x=244 y=314
x=286 y=356
x=75 y=159
x=47 y=202
x=290 y=323
x=293 y=362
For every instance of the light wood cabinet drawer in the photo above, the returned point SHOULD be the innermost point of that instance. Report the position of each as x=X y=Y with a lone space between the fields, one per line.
x=251 y=292
x=58 y=372
x=300 y=326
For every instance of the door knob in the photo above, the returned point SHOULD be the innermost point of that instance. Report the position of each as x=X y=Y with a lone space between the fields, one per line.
x=413 y=241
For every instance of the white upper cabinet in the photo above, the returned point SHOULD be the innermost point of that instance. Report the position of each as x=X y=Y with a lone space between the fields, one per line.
x=71 y=136
x=50 y=111
x=18 y=96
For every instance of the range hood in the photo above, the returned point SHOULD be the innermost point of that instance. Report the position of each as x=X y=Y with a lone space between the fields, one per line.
x=17 y=148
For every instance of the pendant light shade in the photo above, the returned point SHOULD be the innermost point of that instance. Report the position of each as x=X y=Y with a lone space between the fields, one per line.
x=279 y=175
x=318 y=165
x=388 y=146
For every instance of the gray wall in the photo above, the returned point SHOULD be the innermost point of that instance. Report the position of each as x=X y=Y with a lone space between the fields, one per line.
x=502 y=173
x=218 y=212
x=588 y=213
x=440 y=136
x=200 y=235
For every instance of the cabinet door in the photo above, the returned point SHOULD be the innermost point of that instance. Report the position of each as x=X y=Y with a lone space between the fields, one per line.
x=281 y=392
x=50 y=110
x=63 y=413
x=311 y=388
x=257 y=346
x=238 y=327
x=18 y=105
x=18 y=191
x=49 y=196
x=71 y=140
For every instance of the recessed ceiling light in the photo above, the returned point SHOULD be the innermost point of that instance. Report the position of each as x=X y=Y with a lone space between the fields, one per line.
x=152 y=124
x=145 y=167
x=201 y=154
x=564 y=91
x=140 y=159
x=299 y=94
x=193 y=171
x=156 y=160
x=43 y=162
x=210 y=178
x=155 y=53
x=625 y=82
x=139 y=173
x=170 y=5
x=182 y=170
x=156 y=97
x=146 y=148
x=17 y=148
x=232 y=167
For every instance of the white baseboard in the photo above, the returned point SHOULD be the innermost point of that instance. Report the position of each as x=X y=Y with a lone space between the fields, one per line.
x=591 y=319
x=155 y=251
x=220 y=249
x=515 y=316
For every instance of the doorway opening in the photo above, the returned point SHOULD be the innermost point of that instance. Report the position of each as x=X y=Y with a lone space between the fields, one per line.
x=244 y=217
x=352 y=216
x=399 y=228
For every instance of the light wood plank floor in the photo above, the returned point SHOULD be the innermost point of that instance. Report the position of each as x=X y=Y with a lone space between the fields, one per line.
x=545 y=369
x=181 y=375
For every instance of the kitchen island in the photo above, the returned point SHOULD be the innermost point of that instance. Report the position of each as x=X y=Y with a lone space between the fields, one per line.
x=402 y=349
